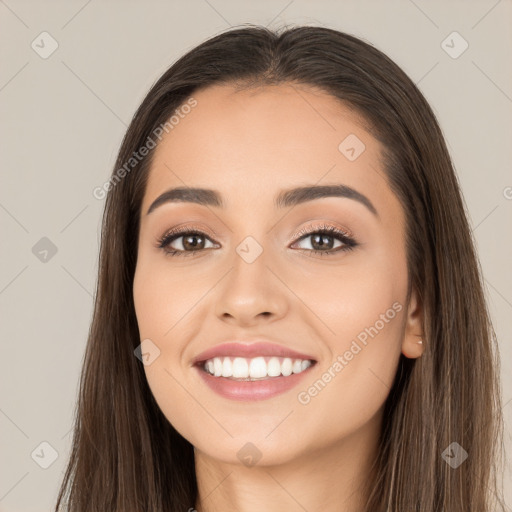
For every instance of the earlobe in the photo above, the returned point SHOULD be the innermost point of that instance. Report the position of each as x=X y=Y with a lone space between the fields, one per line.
x=412 y=349
x=413 y=344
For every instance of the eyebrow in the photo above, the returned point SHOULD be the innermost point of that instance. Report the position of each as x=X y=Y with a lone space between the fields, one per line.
x=285 y=198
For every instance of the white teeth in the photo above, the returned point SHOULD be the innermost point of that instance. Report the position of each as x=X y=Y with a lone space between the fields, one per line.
x=227 y=367
x=274 y=367
x=240 y=368
x=217 y=367
x=257 y=368
x=305 y=364
x=297 y=366
x=286 y=367
x=254 y=368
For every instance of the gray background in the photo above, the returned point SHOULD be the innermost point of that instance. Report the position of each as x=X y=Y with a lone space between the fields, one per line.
x=62 y=120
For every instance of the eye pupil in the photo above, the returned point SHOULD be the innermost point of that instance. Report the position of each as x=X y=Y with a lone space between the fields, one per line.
x=318 y=241
x=187 y=244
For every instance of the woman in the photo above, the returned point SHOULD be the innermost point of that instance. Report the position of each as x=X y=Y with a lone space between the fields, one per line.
x=289 y=312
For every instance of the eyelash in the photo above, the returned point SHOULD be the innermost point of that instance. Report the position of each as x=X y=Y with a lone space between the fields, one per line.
x=349 y=243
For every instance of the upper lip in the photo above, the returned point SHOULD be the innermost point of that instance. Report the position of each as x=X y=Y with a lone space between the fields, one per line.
x=248 y=350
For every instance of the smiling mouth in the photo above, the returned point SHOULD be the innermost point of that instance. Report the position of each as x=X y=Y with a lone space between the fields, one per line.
x=259 y=368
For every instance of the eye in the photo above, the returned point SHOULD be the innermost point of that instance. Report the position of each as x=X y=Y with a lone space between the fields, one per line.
x=191 y=241
x=322 y=240
x=187 y=242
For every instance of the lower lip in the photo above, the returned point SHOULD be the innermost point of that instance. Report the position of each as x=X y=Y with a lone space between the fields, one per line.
x=252 y=390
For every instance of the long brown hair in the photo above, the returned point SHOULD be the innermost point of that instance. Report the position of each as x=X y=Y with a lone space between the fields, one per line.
x=126 y=456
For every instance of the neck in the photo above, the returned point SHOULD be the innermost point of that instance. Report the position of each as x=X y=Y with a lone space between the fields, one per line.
x=329 y=479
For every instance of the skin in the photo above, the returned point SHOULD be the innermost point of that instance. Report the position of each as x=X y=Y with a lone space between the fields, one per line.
x=249 y=145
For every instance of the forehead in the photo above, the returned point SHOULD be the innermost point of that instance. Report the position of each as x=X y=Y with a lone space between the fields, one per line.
x=243 y=142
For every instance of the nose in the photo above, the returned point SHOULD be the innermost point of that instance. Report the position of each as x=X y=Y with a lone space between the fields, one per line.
x=251 y=293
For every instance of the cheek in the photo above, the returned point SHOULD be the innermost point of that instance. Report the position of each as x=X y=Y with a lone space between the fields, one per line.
x=162 y=297
x=362 y=299
x=362 y=309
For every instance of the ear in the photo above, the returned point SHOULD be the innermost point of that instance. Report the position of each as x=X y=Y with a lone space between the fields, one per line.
x=413 y=344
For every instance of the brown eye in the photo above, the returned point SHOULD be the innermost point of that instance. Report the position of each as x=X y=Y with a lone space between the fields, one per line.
x=323 y=239
x=180 y=243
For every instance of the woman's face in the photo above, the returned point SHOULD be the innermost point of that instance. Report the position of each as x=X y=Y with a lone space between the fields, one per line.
x=251 y=275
